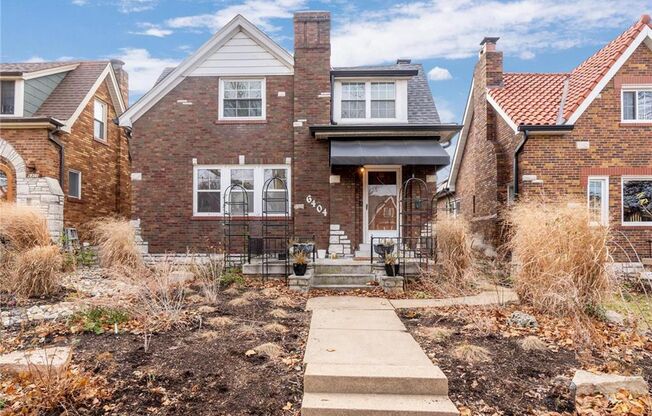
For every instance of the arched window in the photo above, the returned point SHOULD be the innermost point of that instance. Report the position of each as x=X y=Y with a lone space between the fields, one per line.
x=6 y=184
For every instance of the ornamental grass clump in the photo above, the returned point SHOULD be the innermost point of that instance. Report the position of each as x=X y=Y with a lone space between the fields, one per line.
x=561 y=258
x=22 y=227
x=454 y=246
x=36 y=271
x=116 y=243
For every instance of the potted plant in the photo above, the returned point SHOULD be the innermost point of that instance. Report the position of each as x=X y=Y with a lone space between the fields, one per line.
x=299 y=262
x=384 y=248
x=391 y=268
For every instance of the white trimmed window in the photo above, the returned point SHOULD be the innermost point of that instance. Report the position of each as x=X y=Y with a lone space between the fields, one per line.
x=211 y=181
x=383 y=100
x=99 y=120
x=74 y=183
x=370 y=101
x=637 y=201
x=242 y=99
x=598 y=199
x=453 y=208
x=8 y=97
x=637 y=104
x=353 y=100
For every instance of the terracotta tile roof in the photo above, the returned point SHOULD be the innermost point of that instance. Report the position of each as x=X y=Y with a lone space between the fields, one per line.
x=529 y=98
x=69 y=94
x=27 y=67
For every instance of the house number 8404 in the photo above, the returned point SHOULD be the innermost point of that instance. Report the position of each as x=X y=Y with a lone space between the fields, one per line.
x=320 y=209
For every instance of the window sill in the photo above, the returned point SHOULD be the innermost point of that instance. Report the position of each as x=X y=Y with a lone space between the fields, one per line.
x=636 y=124
x=74 y=199
x=241 y=121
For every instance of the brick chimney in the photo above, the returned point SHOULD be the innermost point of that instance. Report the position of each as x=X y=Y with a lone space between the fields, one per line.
x=123 y=79
x=491 y=62
x=312 y=106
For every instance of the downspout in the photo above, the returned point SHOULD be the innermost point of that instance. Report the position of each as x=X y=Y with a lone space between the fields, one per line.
x=54 y=139
x=517 y=151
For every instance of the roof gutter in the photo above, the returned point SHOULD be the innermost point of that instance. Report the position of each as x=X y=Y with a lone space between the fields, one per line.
x=529 y=129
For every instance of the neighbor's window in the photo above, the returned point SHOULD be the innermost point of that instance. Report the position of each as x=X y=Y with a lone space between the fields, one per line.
x=211 y=183
x=598 y=200
x=383 y=100
x=99 y=122
x=74 y=183
x=637 y=201
x=243 y=99
x=353 y=100
x=8 y=97
x=637 y=105
x=453 y=207
x=208 y=187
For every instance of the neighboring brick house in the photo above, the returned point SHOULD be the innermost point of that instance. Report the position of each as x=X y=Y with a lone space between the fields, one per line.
x=241 y=109
x=60 y=149
x=585 y=135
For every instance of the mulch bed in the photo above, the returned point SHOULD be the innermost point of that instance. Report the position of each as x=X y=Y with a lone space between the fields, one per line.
x=514 y=381
x=198 y=368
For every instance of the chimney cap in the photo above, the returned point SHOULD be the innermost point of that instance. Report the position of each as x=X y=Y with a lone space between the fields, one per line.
x=117 y=62
x=489 y=39
x=403 y=61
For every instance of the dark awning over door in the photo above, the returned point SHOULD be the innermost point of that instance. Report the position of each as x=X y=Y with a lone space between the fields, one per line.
x=388 y=152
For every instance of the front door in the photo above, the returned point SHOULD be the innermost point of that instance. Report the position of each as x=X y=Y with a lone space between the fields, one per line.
x=6 y=184
x=381 y=194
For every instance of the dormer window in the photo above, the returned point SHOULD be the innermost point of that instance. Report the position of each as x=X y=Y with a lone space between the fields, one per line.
x=637 y=104
x=370 y=101
x=8 y=97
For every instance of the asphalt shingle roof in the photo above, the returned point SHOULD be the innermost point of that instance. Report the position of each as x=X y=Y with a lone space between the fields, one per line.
x=421 y=105
x=27 y=67
x=530 y=98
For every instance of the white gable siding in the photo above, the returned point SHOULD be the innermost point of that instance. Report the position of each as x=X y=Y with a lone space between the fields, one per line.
x=241 y=55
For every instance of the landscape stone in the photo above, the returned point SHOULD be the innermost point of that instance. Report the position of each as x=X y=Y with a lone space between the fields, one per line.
x=614 y=317
x=45 y=361
x=522 y=319
x=587 y=383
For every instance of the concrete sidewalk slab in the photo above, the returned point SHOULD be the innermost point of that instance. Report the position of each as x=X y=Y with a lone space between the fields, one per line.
x=348 y=302
x=482 y=299
x=344 y=346
x=379 y=320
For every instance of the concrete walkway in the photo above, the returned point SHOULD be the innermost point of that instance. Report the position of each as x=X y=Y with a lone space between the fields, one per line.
x=497 y=296
x=360 y=360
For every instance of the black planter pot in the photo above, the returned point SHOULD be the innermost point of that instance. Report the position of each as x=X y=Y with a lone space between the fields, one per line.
x=299 y=269
x=382 y=250
x=391 y=269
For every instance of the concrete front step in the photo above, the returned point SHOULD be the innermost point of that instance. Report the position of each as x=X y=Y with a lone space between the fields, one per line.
x=342 y=404
x=343 y=279
x=342 y=287
x=375 y=379
x=343 y=267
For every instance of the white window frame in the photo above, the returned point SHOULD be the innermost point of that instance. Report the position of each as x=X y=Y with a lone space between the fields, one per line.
x=19 y=97
x=604 y=208
x=105 y=108
x=263 y=93
x=225 y=182
x=400 y=101
x=635 y=89
x=453 y=207
x=624 y=179
x=79 y=174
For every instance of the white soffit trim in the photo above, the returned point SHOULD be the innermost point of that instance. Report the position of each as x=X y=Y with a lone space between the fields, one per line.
x=173 y=79
x=114 y=90
x=644 y=36
x=461 y=141
x=502 y=113
x=50 y=71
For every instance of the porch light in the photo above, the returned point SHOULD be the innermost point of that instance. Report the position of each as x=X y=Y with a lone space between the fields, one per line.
x=361 y=169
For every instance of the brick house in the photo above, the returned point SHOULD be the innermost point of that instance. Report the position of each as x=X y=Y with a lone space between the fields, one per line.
x=60 y=149
x=241 y=109
x=584 y=135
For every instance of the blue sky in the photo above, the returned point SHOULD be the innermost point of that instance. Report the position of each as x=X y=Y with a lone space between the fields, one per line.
x=443 y=35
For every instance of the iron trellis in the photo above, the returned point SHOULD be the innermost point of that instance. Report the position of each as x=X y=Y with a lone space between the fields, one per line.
x=275 y=225
x=235 y=225
x=415 y=225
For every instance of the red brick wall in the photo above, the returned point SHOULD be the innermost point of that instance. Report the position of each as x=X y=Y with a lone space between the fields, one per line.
x=104 y=167
x=170 y=135
x=311 y=159
x=40 y=155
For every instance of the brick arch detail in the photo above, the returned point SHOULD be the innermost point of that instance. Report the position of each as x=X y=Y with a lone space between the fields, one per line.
x=10 y=154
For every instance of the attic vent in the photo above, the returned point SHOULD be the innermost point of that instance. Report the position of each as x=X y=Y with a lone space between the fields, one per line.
x=401 y=61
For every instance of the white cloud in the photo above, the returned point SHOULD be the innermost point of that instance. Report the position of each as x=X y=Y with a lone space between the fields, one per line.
x=143 y=68
x=149 y=29
x=446 y=113
x=259 y=12
x=134 y=6
x=527 y=55
x=79 y=2
x=453 y=28
x=439 y=74
x=35 y=59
